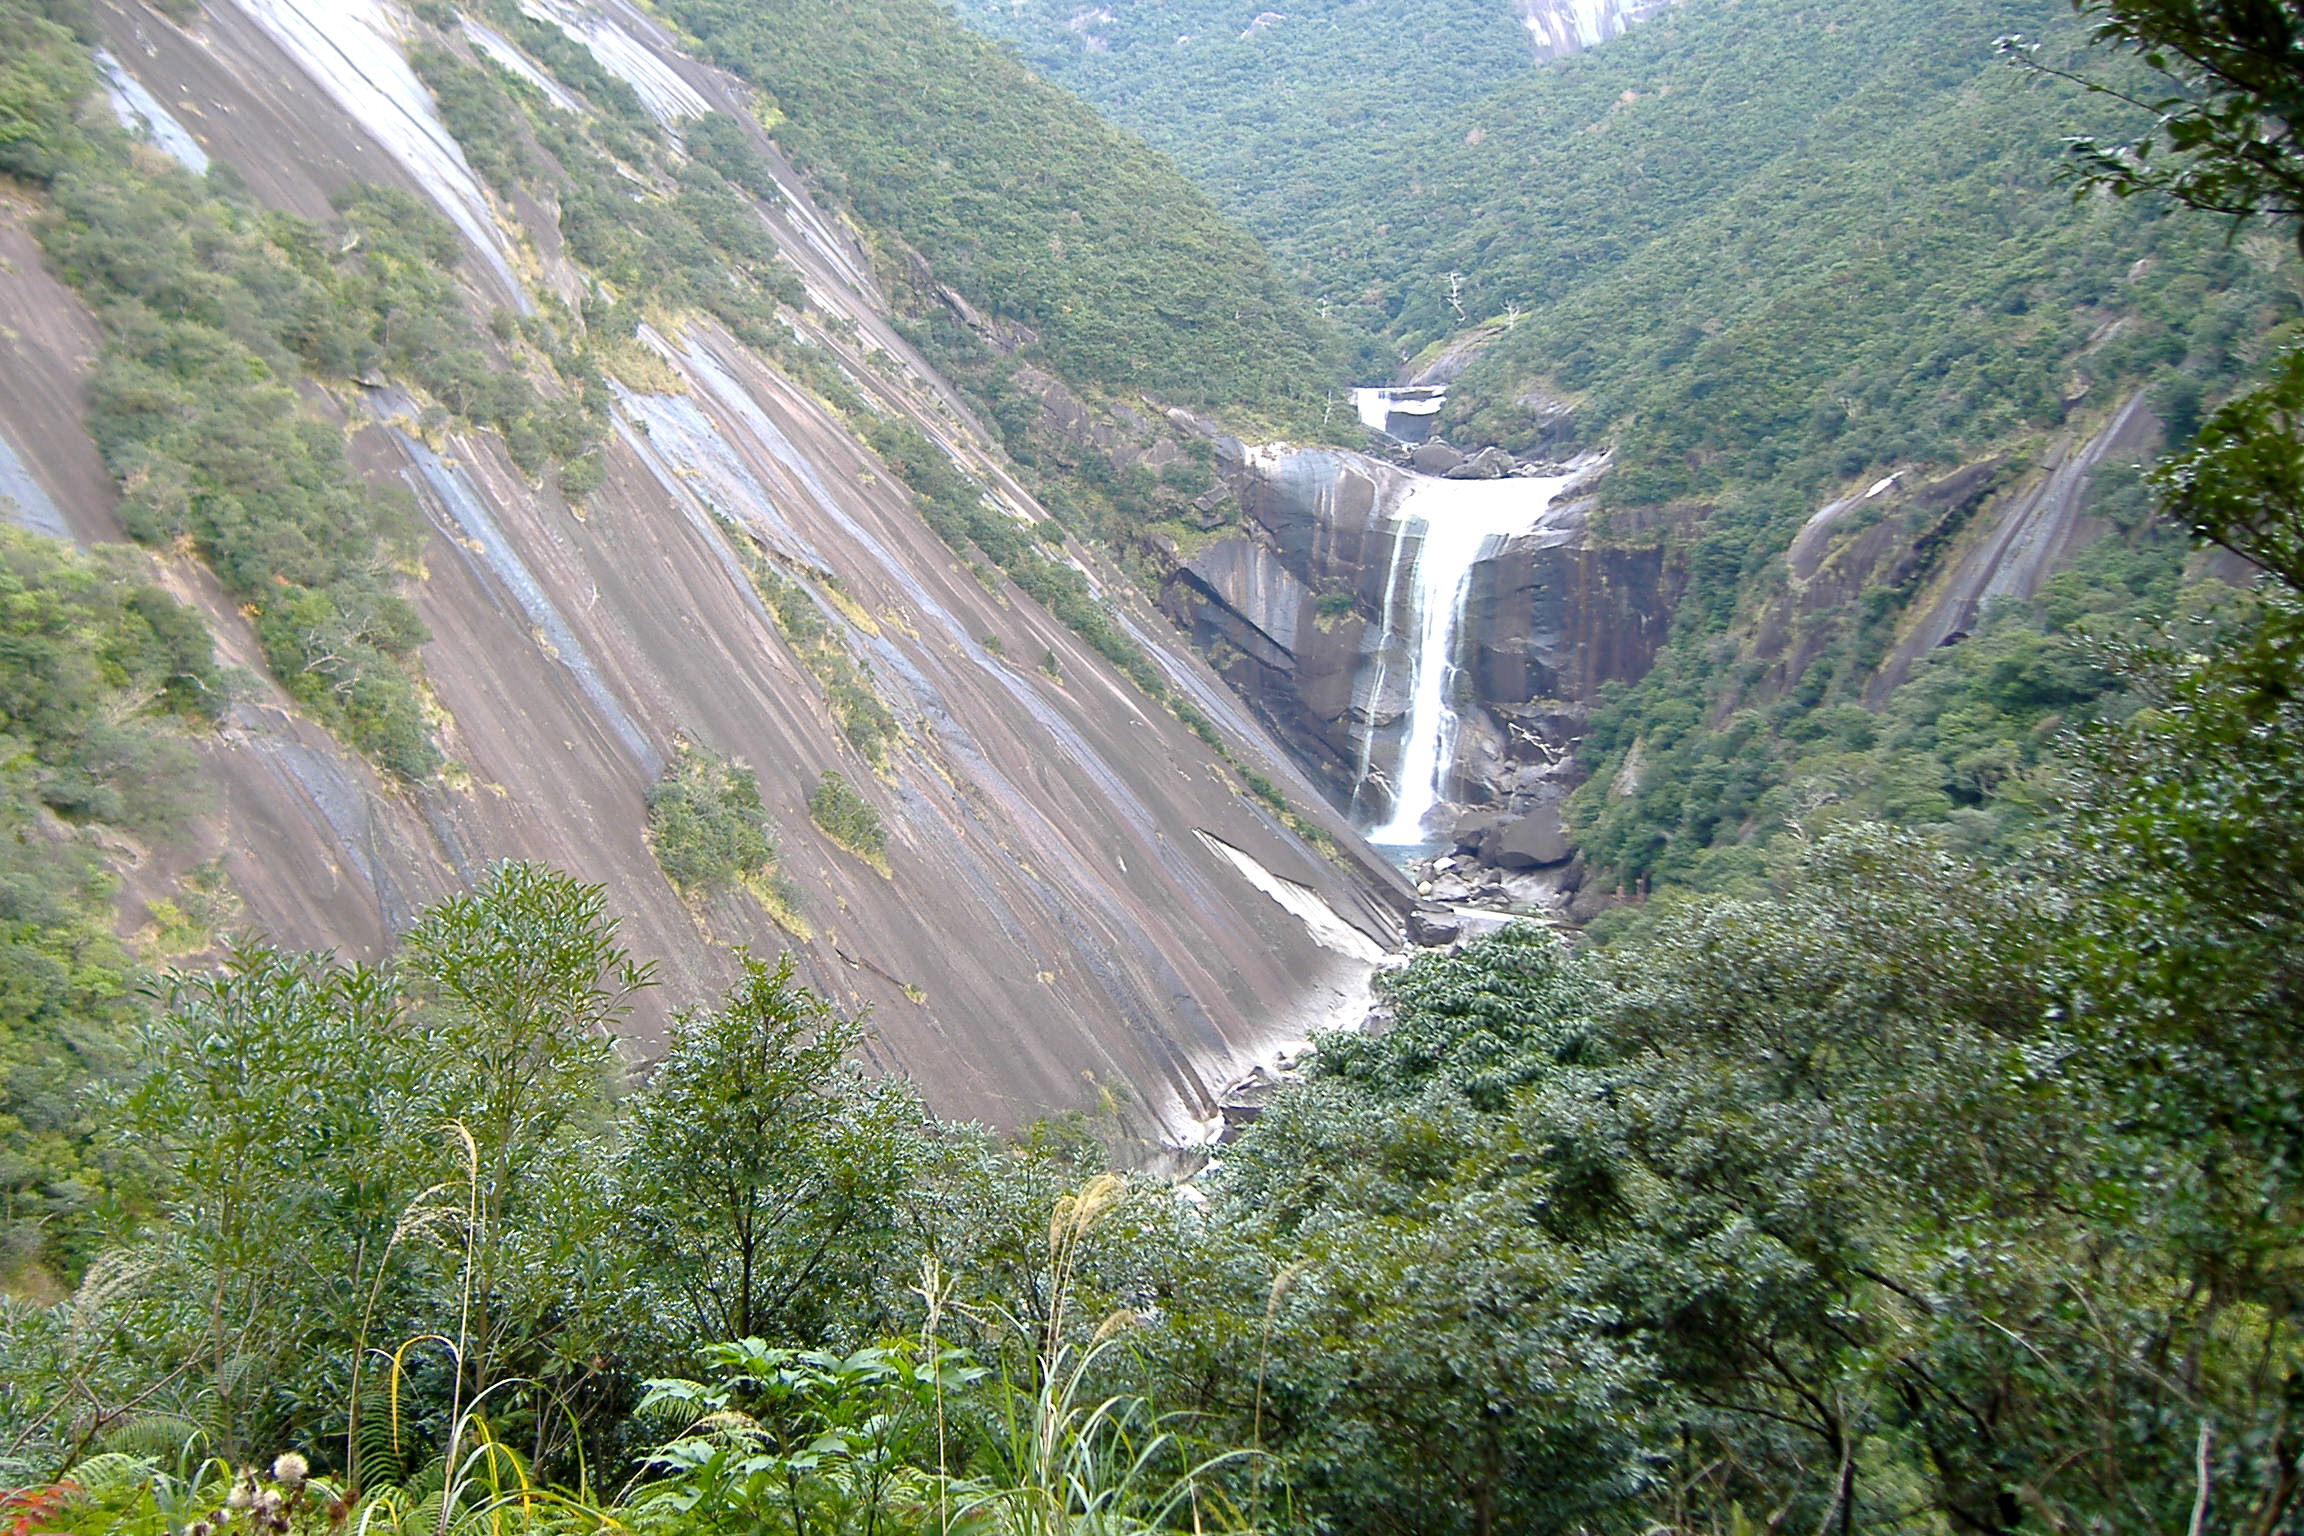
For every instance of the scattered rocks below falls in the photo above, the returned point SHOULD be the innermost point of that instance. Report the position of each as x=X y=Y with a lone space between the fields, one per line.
x=1505 y=864
x=1456 y=882
x=1445 y=460
x=1490 y=464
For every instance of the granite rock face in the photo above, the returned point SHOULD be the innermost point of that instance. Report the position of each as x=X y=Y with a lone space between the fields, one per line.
x=1557 y=28
x=1290 y=612
x=1076 y=894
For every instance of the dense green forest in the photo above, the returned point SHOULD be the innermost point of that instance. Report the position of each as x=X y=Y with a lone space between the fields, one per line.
x=1027 y=204
x=1300 y=117
x=1764 y=253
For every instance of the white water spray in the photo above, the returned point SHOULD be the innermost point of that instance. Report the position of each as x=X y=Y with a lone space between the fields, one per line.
x=1445 y=527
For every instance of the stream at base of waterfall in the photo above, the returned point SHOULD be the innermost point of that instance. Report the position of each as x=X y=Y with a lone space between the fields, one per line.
x=1441 y=530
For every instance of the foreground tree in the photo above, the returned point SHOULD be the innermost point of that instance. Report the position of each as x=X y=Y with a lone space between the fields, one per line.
x=520 y=983
x=771 y=1187
x=2225 y=135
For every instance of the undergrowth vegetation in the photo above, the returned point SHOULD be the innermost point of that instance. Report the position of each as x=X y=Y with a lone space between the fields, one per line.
x=706 y=824
x=849 y=819
x=401 y=1256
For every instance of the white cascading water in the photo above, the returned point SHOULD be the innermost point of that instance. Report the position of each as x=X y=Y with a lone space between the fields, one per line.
x=1446 y=527
x=1379 y=404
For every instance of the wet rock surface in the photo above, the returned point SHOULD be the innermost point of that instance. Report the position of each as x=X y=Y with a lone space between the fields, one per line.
x=1289 y=609
x=1052 y=919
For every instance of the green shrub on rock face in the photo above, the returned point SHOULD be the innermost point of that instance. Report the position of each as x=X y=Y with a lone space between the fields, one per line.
x=864 y=717
x=481 y=115
x=707 y=826
x=849 y=819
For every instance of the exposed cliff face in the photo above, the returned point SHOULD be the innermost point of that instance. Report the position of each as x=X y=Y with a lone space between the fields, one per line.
x=1070 y=902
x=1290 y=612
x=1877 y=579
x=1945 y=547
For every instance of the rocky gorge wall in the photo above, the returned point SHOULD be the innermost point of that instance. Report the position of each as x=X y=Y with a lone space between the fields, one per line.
x=1288 y=606
x=1080 y=898
x=1290 y=611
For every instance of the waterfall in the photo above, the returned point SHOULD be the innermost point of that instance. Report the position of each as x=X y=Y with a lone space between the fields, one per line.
x=1405 y=413
x=1445 y=527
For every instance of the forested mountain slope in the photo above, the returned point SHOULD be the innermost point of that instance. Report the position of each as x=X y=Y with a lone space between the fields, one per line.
x=1025 y=202
x=1809 y=274
x=1292 y=121
x=479 y=438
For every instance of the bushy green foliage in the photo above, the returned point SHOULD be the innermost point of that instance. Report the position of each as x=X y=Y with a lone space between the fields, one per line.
x=690 y=240
x=292 y=1132
x=848 y=818
x=721 y=143
x=44 y=77
x=789 y=1440
x=477 y=109
x=702 y=245
x=415 y=319
x=1750 y=1210
x=1296 y=127
x=213 y=312
x=94 y=665
x=398 y=1223
x=706 y=824
x=1129 y=279
x=964 y=517
x=1964 y=746
x=765 y=1174
x=194 y=407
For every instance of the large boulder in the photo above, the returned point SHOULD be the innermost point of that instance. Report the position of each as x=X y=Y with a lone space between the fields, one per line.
x=1434 y=458
x=1434 y=928
x=1533 y=841
x=1472 y=829
x=1487 y=464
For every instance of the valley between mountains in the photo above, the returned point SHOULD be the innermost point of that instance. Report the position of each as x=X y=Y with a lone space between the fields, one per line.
x=1049 y=768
